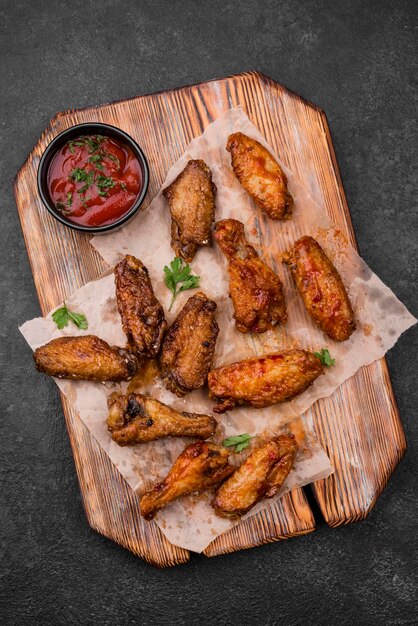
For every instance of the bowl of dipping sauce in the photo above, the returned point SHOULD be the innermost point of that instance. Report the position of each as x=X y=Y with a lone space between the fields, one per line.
x=93 y=177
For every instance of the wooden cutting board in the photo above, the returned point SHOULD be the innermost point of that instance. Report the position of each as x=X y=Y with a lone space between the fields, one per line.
x=358 y=425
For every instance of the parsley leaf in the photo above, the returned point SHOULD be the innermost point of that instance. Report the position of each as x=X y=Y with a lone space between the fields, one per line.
x=325 y=357
x=179 y=272
x=63 y=315
x=239 y=441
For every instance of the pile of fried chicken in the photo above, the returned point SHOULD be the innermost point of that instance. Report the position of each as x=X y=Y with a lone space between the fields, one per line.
x=185 y=350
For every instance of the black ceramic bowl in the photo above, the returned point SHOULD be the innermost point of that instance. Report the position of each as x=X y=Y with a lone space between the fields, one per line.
x=93 y=128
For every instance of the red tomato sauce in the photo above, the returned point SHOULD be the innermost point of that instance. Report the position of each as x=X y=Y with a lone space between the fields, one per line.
x=94 y=180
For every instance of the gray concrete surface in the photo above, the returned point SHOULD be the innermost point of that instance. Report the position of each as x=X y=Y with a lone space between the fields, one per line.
x=358 y=61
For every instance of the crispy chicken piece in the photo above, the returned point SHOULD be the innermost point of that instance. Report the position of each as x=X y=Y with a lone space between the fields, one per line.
x=260 y=476
x=85 y=358
x=137 y=419
x=188 y=347
x=255 y=290
x=260 y=175
x=191 y=198
x=201 y=465
x=264 y=380
x=322 y=290
x=142 y=315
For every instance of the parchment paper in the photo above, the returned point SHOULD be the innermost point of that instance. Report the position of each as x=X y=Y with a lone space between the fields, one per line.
x=191 y=522
x=381 y=318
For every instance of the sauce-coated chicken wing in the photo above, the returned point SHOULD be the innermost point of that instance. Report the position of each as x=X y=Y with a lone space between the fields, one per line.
x=85 y=358
x=260 y=476
x=191 y=198
x=264 y=380
x=255 y=290
x=322 y=290
x=201 y=465
x=142 y=315
x=137 y=419
x=260 y=175
x=188 y=347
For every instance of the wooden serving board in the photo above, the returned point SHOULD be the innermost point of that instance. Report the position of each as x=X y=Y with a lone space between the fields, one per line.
x=358 y=425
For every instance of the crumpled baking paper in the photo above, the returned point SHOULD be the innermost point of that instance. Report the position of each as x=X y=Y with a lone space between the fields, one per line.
x=191 y=522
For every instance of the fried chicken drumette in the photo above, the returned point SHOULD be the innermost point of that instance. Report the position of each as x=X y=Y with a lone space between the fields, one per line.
x=142 y=315
x=136 y=418
x=188 y=347
x=264 y=380
x=321 y=288
x=260 y=175
x=85 y=358
x=260 y=476
x=255 y=290
x=201 y=465
x=191 y=198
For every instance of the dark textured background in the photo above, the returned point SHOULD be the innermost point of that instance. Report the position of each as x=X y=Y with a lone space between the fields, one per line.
x=358 y=61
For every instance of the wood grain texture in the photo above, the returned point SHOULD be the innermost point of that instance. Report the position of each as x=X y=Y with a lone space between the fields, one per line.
x=358 y=425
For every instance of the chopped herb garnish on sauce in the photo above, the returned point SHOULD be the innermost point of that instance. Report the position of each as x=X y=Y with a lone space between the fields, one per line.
x=96 y=167
x=103 y=184
x=239 y=441
x=63 y=315
x=78 y=175
x=325 y=357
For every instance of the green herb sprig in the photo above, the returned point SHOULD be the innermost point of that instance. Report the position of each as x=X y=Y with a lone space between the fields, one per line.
x=179 y=273
x=239 y=441
x=325 y=357
x=63 y=315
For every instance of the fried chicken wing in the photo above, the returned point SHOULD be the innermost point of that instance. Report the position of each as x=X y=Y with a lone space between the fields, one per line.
x=260 y=175
x=264 y=380
x=188 y=347
x=137 y=419
x=142 y=315
x=201 y=465
x=260 y=476
x=85 y=358
x=255 y=290
x=191 y=198
x=322 y=290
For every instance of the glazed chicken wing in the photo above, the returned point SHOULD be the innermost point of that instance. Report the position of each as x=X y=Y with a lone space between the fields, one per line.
x=322 y=290
x=137 y=419
x=201 y=465
x=188 y=347
x=142 y=315
x=191 y=198
x=85 y=358
x=263 y=381
x=260 y=175
x=255 y=290
x=260 y=476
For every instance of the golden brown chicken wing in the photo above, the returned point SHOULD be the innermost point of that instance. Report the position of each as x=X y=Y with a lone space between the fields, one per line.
x=260 y=476
x=265 y=380
x=85 y=358
x=137 y=419
x=142 y=315
x=260 y=175
x=191 y=198
x=201 y=465
x=321 y=288
x=255 y=290
x=188 y=347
